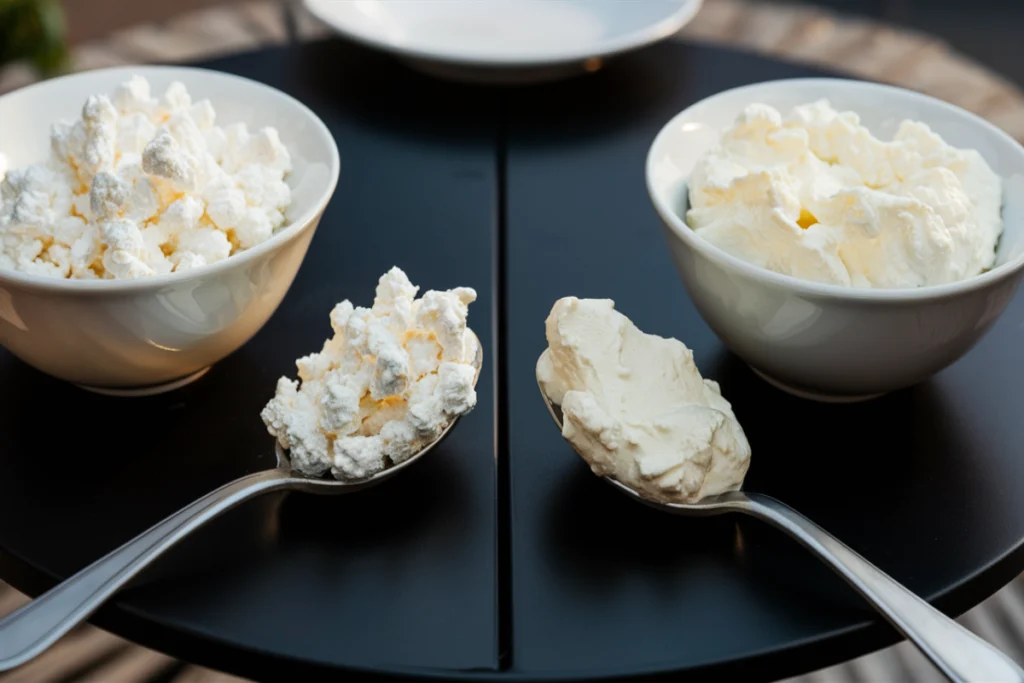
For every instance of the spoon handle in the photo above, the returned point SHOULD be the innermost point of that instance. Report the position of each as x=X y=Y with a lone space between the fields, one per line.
x=30 y=630
x=958 y=653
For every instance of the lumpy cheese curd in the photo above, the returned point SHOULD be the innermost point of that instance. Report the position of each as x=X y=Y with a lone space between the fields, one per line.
x=142 y=185
x=387 y=383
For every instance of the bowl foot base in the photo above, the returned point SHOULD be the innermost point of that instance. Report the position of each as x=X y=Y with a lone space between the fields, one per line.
x=812 y=396
x=149 y=390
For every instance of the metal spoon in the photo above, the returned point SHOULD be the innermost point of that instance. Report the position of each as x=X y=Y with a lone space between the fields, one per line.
x=958 y=653
x=38 y=625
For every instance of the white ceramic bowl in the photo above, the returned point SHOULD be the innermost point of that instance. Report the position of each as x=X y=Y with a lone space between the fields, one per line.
x=825 y=341
x=505 y=41
x=151 y=334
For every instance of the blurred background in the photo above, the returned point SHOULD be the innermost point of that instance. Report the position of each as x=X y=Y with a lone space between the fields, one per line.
x=987 y=30
x=969 y=53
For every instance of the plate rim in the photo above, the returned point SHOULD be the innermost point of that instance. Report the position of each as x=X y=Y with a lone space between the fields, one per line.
x=647 y=35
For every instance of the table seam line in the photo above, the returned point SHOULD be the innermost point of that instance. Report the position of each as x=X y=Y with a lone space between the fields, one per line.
x=503 y=500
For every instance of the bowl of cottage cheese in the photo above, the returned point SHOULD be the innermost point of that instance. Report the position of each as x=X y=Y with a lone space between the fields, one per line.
x=844 y=238
x=151 y=219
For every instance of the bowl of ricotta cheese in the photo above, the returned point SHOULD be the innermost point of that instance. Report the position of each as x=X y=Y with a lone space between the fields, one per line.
x=151 y=219
x=844 y=238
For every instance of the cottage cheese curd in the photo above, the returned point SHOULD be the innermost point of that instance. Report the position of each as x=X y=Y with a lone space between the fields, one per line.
x=815 y=195
x=142 y=185
x=635 y=407
x=387 y=383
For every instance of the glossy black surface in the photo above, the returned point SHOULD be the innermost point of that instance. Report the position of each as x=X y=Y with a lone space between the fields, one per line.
x=500 y=556
x=925 y=482
x=403 y=575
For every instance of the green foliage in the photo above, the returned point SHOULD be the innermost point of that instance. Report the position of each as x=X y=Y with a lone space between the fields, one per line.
x=33 y=30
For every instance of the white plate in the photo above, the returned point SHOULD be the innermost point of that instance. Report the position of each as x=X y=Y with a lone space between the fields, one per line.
x=505 y=40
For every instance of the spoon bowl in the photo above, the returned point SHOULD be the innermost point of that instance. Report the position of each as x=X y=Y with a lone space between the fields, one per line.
x=956 y=652
x=29 y=631
x=712 y=505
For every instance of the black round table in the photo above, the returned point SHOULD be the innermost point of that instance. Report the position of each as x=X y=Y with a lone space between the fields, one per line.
x=501 y=557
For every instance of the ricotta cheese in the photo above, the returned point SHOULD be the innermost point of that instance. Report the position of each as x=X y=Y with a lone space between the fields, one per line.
x=386 y=384
x=816 y=196
x=636 y=408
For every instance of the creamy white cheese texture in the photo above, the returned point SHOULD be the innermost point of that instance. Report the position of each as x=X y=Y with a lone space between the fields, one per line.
x=636 y=408
x=816 y=196
x=142 y=185
x=387 y=383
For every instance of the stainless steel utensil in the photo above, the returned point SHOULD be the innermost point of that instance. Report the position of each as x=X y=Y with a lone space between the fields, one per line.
x=955 y=651
x=30 y=630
